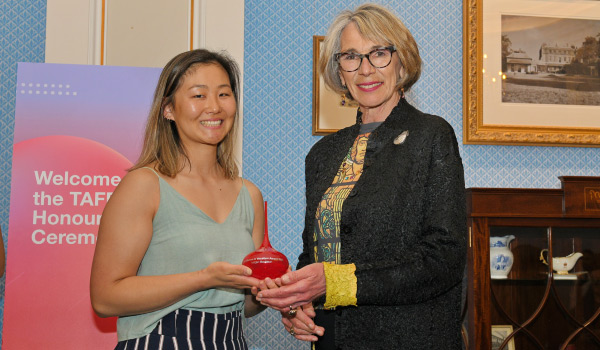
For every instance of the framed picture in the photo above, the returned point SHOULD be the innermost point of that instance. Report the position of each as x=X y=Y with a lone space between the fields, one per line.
x=499 y=334
x=531 y=73
x=331 y=111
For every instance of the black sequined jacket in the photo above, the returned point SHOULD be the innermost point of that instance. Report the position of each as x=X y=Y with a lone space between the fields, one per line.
x=403 y=226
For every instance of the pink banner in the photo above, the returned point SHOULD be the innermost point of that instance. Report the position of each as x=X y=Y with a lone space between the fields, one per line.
x=77 y=130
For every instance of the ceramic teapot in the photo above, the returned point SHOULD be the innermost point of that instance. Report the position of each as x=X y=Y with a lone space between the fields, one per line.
x=562 y=265
x=501 y=258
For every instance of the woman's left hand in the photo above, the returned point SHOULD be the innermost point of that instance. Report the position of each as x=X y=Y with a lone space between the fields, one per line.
x=297 y=321
x=297 y=288
x=300 y=325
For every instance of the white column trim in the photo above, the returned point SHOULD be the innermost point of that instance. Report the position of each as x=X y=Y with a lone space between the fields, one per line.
x=199 y=29
x=95 y=32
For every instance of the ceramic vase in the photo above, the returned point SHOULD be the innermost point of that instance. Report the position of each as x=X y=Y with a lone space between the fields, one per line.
x=501 y=258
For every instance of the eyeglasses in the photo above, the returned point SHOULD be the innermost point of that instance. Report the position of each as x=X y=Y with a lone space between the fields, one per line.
x=379 y=58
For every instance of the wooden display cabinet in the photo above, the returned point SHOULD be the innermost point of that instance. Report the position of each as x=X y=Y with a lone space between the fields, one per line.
x=536 y=307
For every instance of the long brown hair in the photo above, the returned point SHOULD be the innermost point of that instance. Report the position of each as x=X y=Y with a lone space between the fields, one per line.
x=162 y=143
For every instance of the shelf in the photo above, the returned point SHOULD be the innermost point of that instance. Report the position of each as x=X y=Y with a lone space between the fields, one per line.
x=583 y=275
x=540 y=279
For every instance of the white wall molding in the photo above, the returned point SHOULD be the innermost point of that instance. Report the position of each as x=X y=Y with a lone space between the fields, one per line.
x=75 y=30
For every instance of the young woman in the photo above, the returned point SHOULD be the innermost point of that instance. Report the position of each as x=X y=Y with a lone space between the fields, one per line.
x=176 y=229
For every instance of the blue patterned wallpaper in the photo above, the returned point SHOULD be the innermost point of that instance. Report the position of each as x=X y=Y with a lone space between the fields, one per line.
x=277 y=111
x=22 y=39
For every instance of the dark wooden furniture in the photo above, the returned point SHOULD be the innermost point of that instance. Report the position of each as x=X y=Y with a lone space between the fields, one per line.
x=545 y=310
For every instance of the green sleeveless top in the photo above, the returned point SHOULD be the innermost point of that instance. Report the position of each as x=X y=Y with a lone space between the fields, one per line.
x=185 y=239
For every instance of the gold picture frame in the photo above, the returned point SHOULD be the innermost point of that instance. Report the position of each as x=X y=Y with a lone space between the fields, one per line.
x=499 y=335
x=487 y=120
x=331 y=111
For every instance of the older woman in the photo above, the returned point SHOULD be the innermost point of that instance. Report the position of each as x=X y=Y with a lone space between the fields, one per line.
x=384 y=243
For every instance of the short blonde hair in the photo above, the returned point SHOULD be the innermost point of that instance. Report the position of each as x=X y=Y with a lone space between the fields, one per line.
x=379 y=25
x=162 y=143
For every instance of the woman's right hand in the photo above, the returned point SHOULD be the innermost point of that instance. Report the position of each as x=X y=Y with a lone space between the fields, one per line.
x=224 y=274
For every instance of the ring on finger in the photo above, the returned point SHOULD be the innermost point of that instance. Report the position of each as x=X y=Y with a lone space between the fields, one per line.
x=292 y=332
x=292 y=311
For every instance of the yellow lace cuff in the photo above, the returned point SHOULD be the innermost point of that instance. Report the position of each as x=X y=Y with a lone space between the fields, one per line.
x=341 y=285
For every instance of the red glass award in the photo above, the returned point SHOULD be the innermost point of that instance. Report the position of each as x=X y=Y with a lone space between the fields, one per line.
x=266 y=261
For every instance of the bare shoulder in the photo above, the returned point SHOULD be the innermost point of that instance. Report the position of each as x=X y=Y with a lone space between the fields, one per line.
x=256 y=196
x=259 y=211
x=138 y=186
x=254 y=191
x=141 y=179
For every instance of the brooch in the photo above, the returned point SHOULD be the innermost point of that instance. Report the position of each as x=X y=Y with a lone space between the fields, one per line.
x=401 y=138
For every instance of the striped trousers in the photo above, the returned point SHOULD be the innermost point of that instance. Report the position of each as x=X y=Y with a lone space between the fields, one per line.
x=186 y=329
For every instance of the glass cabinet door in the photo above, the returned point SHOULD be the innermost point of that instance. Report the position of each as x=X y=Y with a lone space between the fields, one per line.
x=576 y=284
x=536 y=307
